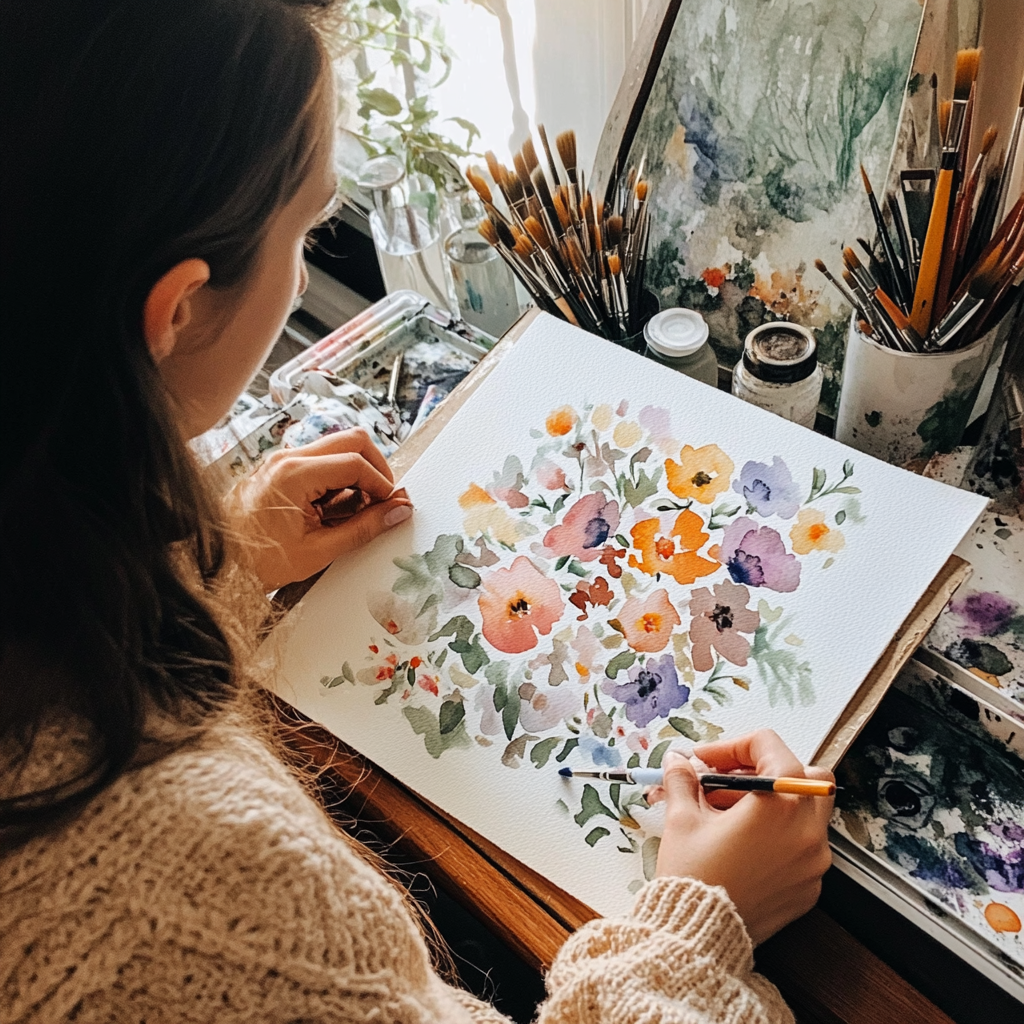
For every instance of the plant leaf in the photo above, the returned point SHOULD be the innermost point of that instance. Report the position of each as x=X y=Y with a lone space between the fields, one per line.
x=570 y=745
x=463 y=576
x=542 y=751
x=591 y=806
x=622 y=661
x=384 y=102
x=656 y=755
x=686 y=728
x=595 y=835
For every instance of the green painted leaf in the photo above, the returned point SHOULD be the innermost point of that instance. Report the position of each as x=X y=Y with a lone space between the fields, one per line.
x=440 y=659
x=576 y=569
x=463 y=576
x=848 y=468
x=634 y=761
x=644 y=488
x=621 y=541
x=685 y=727
x=828 y=562
x=426 y=725
x=840 y=517
x=622 y=661
x=559 y=504
x=452 y=712
x=847 y=490
x=591 y=806
x=346 y=671
x=570 y=745
x=649 y=853
x=595 y=835
x=656 y=755
x=328 y=683
x=817 y=482
x=562 y=562
x=542 y=751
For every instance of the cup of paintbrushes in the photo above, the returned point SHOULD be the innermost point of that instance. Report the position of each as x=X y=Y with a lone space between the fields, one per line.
x=902 y=406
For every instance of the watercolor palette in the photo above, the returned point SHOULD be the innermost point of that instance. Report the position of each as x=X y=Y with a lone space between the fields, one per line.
x=982 y=630
x=932 y=806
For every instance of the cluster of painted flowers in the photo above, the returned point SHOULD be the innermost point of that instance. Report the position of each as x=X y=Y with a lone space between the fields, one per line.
x=603 y=599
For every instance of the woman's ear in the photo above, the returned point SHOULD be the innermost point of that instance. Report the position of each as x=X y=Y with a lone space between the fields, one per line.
x=168 y=307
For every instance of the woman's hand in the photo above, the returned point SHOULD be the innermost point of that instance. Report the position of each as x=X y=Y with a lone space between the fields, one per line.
x=286 y=505
x=768 y=850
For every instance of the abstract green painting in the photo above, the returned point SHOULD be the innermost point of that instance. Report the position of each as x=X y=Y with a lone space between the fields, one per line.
x=760 y=113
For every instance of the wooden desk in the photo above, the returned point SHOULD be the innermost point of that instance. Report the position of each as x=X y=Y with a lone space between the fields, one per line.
x=826 y=975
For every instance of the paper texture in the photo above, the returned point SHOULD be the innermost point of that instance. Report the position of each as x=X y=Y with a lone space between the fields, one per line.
x=608 y=558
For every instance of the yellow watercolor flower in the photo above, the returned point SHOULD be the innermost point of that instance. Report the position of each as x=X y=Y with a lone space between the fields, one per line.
x=497 y=524
x=812 y=533
x=601 y=417
x=561 y=421
x=701 y=473
x=627 y=433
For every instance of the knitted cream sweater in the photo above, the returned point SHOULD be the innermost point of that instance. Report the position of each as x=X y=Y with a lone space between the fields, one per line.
x=209 y=887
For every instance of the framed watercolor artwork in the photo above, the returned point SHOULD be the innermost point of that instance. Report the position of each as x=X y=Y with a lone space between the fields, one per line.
x=608 y=558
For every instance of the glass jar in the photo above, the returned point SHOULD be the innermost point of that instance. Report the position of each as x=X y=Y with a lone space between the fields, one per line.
x=678 y=338
x=779 y=372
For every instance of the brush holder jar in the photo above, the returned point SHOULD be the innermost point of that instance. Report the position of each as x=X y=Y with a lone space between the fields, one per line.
x=905 y=406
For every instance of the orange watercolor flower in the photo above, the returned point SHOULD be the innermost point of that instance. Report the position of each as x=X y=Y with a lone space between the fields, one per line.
x=518 y=603
x=812 y=533
x=561 y=421
x=672 y=550
x=648 y=623
x=475 y=495
x=701 y=473
x=1002 y=918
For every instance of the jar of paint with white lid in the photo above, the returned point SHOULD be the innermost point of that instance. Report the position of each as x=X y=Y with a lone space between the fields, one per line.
x=678 y=338
x=779 y=371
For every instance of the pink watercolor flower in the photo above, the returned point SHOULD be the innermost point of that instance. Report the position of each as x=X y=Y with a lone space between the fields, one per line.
x=550 y=476
x=757 y=557
x=718 y=621
x=518 y=603
x=648 y=622
x=585 y=528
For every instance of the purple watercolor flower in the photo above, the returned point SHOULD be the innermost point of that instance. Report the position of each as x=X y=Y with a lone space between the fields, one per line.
x=768 y=490
x=984 y=613
x=757 y=557
x=652 y=692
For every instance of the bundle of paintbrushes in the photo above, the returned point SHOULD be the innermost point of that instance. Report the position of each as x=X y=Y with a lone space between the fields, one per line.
x=955 y=264
x=580 y=258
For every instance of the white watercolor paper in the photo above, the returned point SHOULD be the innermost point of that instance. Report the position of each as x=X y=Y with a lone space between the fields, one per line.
x=608 y=558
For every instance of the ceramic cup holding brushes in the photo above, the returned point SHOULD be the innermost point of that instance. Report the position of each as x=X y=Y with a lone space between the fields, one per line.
x=931 y=297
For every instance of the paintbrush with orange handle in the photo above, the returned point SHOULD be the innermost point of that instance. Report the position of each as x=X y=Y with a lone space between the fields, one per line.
x=923 y=311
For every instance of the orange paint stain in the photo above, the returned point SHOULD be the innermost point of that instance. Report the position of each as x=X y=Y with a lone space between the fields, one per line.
x=561 y=421
x=475 y=495
x=1001 y=918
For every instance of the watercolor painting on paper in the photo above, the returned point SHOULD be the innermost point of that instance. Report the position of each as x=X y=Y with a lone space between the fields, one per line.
x=934 y=787
x=602 y=564
x=757 y=121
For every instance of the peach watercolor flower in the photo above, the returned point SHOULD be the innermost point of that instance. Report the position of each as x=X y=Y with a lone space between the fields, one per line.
x=648 y=622
x=672 y=548
x=561 y=421
x=518 y=603
x=701 y=473
x=810 y=533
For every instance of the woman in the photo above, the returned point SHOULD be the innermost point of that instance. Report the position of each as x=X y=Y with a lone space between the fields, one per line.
x=163 y=161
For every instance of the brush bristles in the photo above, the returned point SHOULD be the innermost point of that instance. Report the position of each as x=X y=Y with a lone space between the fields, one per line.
x=851 y=259
x=614 y=264
x=540 y=186
x=476 y=179
x=988 y=139
x=514 y=189
x=493 y=167
x=819 y=265
x=945 y=109
x=867 y=180
x=505 y=234
x=613 y=231
x=565 y=143
x=523 y=247
x=561 y=211
x=966 y=72
x=522 y=172
x=579 y=266
x=641 y=190
x=489 y=232
x=530 y=155
x=538 y=231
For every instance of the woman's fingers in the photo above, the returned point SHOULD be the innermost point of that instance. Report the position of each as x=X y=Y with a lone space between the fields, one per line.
x=326 y=543
x=306 y=480
x=341 y=441
x=763 y=751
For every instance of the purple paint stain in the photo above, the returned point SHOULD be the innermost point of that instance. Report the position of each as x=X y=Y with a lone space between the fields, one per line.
x=984 y=613
x=1004 y=872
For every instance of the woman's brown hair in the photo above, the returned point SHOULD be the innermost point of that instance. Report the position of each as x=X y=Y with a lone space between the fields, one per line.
x=135 y=134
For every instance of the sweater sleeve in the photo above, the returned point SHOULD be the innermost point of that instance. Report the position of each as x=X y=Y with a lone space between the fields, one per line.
x=683 y=957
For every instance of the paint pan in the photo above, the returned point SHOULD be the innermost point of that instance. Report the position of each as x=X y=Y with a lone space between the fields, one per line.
x=931 y=819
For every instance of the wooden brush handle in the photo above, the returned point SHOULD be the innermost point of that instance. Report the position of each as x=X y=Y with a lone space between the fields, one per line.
x=931 y=255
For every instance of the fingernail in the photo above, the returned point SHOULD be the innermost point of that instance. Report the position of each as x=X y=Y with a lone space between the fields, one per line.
x=673 y=757
x=398 y=515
